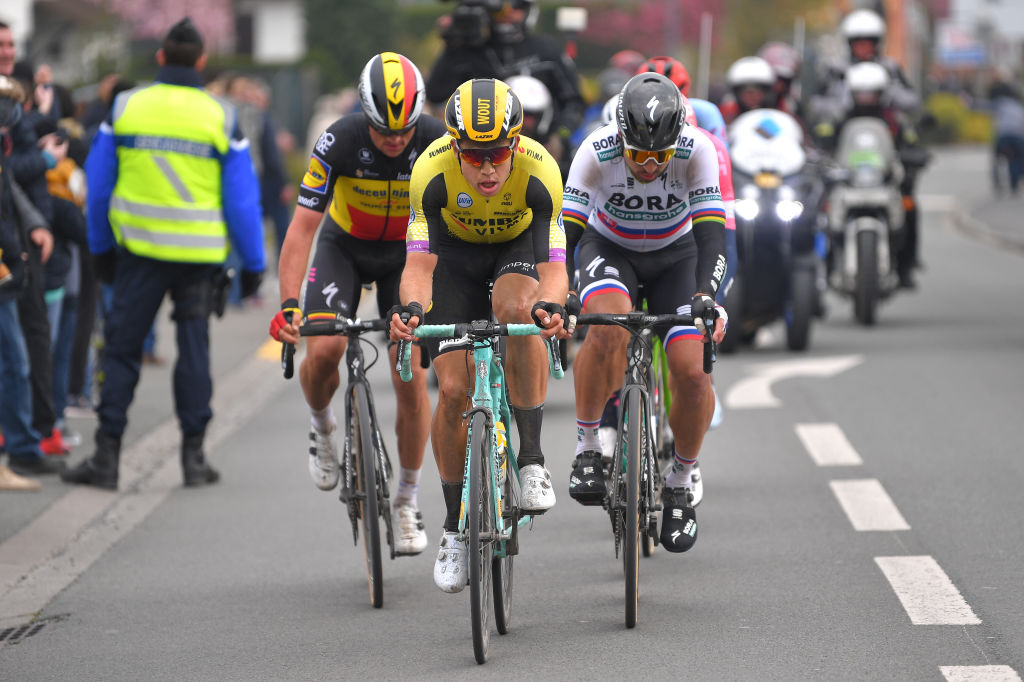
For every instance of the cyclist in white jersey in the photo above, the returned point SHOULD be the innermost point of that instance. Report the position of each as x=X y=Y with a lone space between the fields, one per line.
x=644 y=193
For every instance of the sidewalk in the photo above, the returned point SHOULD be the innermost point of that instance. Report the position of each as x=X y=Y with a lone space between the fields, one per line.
x=233 y=340
x=960 y=178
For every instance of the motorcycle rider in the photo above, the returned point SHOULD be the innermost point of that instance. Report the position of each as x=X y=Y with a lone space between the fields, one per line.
x=750 y=81
x=785 y=62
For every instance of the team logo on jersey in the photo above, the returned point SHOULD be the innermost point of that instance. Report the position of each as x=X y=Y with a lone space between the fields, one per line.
x=412 y=215
x=325 y=142
x=365 y=156
x=315 y=179
x=464 y=200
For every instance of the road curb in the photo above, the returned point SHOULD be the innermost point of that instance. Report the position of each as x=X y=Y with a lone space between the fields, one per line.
x=979 y=230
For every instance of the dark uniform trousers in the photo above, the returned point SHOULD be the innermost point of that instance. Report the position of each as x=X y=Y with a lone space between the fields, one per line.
x=140 y=285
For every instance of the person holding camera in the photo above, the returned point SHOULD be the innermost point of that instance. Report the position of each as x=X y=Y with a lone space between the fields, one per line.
x=493 y=39
x=169 y=180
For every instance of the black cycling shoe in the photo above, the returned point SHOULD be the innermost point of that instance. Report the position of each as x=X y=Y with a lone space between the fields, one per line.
x=678 y=520
x=586 y=484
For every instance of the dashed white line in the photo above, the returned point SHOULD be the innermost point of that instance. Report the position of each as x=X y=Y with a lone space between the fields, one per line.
x=926 y=592
x=979 y=673
x=867 y=505
x=827 y=445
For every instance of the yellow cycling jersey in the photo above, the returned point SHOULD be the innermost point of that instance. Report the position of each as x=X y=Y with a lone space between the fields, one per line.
x=447 y=211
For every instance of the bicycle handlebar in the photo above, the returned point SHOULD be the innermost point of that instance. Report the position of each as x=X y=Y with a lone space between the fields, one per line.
x=634 y=322
x=476 y=330
x=342 y=326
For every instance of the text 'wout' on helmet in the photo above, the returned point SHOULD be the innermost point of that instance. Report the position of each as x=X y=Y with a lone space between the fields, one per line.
x=391 y=92
x=650 y=112
x=483 y=110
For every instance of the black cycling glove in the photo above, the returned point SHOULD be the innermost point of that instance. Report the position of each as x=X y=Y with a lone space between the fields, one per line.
x=405 y=313
x=551 y=308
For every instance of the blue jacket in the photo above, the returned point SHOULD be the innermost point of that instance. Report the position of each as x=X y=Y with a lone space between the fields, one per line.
x=239 y=187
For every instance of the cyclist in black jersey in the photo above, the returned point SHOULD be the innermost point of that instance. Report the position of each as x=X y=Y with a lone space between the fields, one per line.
x=359 y=174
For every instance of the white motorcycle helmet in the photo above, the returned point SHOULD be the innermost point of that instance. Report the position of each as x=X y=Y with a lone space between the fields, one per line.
x=538 y=107
x=862 y=23
x=750 y=71
x=867 y=82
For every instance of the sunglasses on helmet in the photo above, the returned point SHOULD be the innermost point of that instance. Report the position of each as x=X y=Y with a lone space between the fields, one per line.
x=496 y=155
x=642 y=156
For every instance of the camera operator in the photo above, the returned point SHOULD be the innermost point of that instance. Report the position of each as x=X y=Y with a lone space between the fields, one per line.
x=492 y=39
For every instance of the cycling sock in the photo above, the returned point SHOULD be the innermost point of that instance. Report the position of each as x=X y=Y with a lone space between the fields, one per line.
x=610 y=416
x=586 y=436
x=682 y=468
x=452 y=501
x=408 y=485
x=528 y=422
x=323 y=420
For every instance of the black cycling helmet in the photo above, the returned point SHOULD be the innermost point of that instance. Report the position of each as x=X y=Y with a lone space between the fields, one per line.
x=650 y=112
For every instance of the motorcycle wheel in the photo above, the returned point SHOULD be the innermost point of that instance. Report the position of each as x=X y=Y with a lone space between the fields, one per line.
x=866 y=292
x=802 y=293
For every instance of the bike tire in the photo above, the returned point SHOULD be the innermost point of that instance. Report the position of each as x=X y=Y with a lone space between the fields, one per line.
x=366 y=491
x=480 y=530
x=866 y=294
x=631 y=528
x=501 y=566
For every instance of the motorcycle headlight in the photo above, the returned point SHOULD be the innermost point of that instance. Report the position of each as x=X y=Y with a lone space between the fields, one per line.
x=747 y=209
x=789 y=209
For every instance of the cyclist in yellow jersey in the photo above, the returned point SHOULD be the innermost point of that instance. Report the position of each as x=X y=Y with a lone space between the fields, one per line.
x=486 y=208
x=359 y=173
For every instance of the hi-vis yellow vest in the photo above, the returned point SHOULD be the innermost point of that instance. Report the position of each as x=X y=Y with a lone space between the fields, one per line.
x=166 y=204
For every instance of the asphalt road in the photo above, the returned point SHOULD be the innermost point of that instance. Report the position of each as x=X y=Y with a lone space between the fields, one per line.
x=861 y=520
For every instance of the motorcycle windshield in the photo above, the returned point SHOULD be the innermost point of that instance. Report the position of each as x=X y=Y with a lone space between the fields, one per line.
x=766 y=141
x=865 y=146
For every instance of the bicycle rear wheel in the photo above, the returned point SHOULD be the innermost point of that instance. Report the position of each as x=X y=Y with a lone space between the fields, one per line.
x=481 y=532
x=366 y=493
x=631 y=528
x=501 y=566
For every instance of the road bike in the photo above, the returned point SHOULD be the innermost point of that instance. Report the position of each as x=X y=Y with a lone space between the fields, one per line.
x=633 y=476
x=365 y=465
x=490 y=516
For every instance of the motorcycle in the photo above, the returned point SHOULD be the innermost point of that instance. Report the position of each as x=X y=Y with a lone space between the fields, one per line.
x=779 y=230
x=866 y=216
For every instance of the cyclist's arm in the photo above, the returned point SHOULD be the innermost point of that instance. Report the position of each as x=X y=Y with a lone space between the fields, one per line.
x=578 y=197
x=298 y=241
x=707 y=216
x=544 y=197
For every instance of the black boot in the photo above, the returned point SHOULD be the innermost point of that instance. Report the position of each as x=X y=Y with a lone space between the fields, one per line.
x=194 y=467
x=100 y=470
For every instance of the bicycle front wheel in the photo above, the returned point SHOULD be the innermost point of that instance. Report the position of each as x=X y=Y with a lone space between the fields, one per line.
x=366 y=493
x=481 y=532
x=635 y=425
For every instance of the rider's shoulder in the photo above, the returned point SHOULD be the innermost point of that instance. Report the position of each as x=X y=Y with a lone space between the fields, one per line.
x=603 y=143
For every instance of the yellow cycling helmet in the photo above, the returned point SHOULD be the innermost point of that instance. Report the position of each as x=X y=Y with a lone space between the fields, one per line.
x=483 y=110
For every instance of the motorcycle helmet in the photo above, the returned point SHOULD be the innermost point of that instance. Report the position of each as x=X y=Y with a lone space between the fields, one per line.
x=867 y=83
x=627 y=60
x=391 y=92
x=650 y=113
x=750 y=71
x=483 y=110
x=538 y=107
x=672 y=68
x=507 y=29
x=783 y=58
x=862 y=23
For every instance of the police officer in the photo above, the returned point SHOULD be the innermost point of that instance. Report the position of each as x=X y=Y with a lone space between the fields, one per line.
x=492 y=39
x=169 y=179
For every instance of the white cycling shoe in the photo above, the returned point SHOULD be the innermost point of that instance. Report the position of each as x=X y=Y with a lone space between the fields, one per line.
x=538 y=494
x=323 y=460
x=451 y=570
x=410 y=538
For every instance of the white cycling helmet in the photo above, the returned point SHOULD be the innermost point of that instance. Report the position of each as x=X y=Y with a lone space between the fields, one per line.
x=536 y=101
x=867 y=77
x=862 y=23
x=750 y=71
x=609 y=109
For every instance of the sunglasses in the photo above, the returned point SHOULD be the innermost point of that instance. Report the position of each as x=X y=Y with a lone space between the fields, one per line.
x=642 y=156
x=389 y=132
x=496 y=155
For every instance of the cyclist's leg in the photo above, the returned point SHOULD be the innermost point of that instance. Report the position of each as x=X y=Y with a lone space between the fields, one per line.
x=331 y=286
x=526 y=367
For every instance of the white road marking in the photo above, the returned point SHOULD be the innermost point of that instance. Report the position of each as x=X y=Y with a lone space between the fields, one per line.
x=756 y=391
x=867 y=505
x=926 y=592
x=979 y=673
x=49 y=553
x=827 y=445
